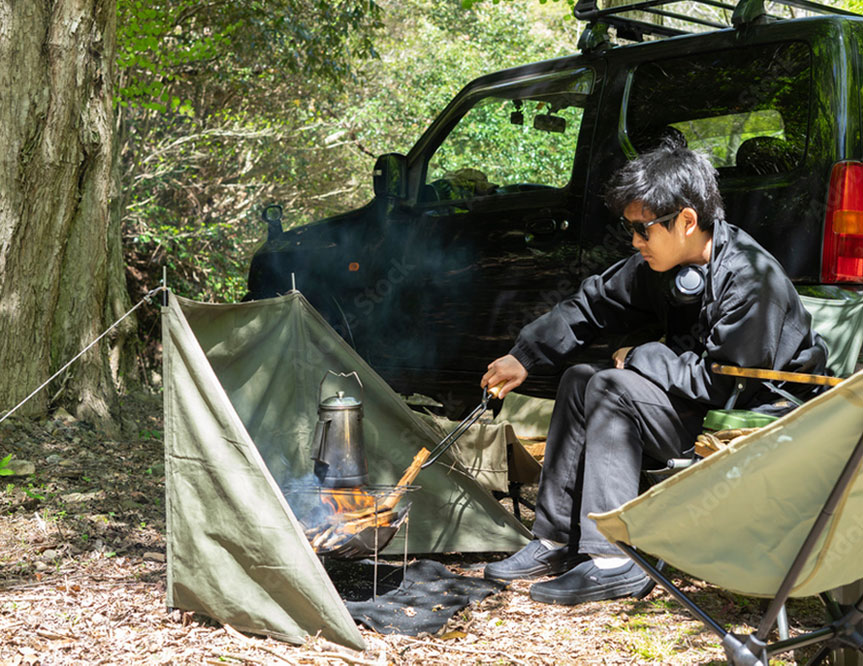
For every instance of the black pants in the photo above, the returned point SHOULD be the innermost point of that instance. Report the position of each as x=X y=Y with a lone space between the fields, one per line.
x=605 y=422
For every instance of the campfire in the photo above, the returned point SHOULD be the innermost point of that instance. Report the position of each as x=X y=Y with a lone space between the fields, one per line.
x=362 y=520
x=348 y=518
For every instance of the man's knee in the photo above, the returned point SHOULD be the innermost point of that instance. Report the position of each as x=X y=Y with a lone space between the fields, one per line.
x=577 y=376
x=612 y=381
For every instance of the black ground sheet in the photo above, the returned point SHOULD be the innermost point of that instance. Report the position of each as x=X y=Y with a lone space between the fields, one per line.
x=429 y=595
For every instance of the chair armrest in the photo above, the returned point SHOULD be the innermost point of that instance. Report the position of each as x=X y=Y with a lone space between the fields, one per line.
x=776 y=375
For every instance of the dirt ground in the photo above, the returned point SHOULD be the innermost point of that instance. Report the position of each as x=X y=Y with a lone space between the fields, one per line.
x=82 y=580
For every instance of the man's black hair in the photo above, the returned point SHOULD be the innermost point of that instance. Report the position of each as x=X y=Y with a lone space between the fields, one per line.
x=666 y=179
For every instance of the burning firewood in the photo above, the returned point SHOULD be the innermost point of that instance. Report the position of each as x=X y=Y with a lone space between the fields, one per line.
x=324 y=537
x=407 y=478
x=377 y=520
x=392 y=499
x=317 y=536
x=341 y=525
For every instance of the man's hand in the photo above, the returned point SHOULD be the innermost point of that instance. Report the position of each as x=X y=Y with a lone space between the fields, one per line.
x=506 y=370
x=620 y=356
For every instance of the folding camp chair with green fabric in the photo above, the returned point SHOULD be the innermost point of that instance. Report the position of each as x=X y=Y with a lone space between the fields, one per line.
x=777 y=513
x=837 y=315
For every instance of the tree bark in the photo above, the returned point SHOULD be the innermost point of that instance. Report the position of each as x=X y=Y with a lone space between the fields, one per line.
x=61 y=272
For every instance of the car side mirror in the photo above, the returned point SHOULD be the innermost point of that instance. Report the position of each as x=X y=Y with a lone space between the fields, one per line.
x=272 y=215
x=390 y=176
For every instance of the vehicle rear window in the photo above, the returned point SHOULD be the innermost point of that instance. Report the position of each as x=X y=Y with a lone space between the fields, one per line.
x=747 y=108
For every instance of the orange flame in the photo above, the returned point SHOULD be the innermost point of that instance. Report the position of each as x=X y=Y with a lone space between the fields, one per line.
x=346 y=501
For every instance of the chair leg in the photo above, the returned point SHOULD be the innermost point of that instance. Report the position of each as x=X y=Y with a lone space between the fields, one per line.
x=739 y=385
x=819 y=656
x=650 y=584
x=514 y=494
x=782 y=623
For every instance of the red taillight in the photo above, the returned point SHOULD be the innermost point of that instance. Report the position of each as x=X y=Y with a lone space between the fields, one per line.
x=842 y=259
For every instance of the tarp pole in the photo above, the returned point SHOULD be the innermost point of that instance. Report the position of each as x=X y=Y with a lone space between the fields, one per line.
x=842 y=483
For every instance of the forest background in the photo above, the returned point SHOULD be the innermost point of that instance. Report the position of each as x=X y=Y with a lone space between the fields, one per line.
x=214 y=128
x=148 y=136
x=191 y=115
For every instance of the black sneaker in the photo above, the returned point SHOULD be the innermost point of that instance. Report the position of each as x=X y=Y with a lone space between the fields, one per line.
x=587 y=582
x=533 y=561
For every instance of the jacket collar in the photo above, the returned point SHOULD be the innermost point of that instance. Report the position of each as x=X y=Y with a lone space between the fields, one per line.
x=721 y=236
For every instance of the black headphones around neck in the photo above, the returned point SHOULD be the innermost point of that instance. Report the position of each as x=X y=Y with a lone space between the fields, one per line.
x=688 y=284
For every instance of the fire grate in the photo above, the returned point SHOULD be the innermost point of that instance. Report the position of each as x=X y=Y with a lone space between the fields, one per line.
x=352 y=523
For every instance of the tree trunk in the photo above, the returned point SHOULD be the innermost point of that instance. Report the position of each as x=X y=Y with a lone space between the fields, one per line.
x=61 y=273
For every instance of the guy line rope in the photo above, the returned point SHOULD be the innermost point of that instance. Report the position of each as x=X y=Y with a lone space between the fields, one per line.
x=148 y=298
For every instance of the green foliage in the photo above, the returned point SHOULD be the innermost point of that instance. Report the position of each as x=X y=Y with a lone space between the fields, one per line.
x=851 y=5
x=508 y=153
x=469 y=4
x=167 y=49
x=156 y=43
x=225 y=108
x=4 y=466
x=31 y=492
x=201 y=98
x=430 y=51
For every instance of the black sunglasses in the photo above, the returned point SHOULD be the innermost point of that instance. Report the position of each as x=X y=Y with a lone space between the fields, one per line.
x=640 y=228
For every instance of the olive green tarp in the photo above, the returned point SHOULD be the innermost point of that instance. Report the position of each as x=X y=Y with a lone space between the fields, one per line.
x=738 y=518
x=241 y=396
x=491 y=451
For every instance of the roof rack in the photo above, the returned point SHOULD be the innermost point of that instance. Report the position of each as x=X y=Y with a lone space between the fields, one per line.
x=742 y=13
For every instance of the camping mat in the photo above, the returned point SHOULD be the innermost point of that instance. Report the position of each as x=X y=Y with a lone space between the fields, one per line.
x=430 y=596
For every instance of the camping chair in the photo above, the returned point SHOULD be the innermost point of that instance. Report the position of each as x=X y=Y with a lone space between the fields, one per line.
x=837 y=315
x=777 y=513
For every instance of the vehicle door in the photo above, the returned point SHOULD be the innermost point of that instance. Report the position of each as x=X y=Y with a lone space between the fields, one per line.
x=492 y=239
x=749 y=108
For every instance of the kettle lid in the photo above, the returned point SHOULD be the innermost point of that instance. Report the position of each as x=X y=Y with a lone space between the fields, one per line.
x=340 y=401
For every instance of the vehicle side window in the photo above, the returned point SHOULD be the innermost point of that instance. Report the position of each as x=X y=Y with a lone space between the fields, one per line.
x=518 y=139
x=747 y=108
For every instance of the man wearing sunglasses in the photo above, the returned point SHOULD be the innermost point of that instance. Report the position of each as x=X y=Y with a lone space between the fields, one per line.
x=649 y=401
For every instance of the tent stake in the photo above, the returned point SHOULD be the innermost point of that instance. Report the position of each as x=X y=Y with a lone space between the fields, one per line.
x=405 y=554
x=375 y=573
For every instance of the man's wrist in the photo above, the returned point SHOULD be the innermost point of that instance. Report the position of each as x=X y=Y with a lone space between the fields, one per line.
x=522 y=357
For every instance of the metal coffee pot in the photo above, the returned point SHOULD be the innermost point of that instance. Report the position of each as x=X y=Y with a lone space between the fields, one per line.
x=340 y=461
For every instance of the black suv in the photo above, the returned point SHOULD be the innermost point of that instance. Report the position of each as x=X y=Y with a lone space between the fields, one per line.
x=497 y=213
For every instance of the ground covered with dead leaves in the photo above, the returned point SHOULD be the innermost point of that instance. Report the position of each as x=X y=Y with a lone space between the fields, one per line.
x=82 y=579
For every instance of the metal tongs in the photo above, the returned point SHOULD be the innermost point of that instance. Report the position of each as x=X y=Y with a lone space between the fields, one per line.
x=462 y=427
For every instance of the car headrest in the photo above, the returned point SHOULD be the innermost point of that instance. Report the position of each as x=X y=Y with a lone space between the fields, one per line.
x=765 y=155
x=654 y=136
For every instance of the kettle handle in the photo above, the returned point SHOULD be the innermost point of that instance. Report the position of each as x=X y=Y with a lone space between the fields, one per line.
x=340 y=374
x=319 y=440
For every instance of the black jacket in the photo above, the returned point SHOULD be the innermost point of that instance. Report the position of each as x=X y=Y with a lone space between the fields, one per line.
x=749 y=315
